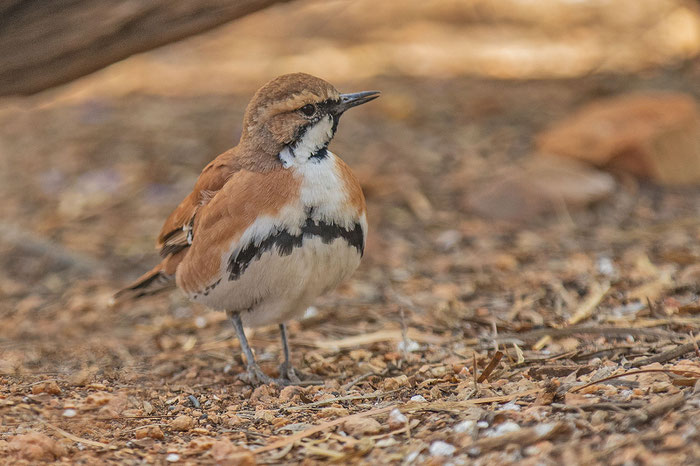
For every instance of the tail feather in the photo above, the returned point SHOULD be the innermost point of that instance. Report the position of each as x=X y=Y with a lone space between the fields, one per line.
x=150 y=283
x=159 y=278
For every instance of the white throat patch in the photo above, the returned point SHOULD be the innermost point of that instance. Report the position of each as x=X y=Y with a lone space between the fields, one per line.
x=315 y=138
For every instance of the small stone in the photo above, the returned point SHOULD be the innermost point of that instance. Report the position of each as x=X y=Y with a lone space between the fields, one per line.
x=263 y=394
x=265 y=414
x=36 y=446
x=394 y=383
x=440 y=448
x=362 y=426
x=466 y=427
x=172 y=457
x=503 y=428
x=182 y=423
x=50 y=387
x=419 y=399
x=225 y=452
x=397 y=419
x=151 y=432
x=69 y=413
x=289 y=393
x=332 y=412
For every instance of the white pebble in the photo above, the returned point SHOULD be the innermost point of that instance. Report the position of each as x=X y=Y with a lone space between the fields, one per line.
x=408 y=346
x=200 y=322
x=311 y=311
x=69 y=413
x=418 y=398
x=440 y=448
x=467 y=427
x=543 y=429
x=502 y=429
x=172 y=457
x=396 y=418
x=509 y=407
x=482 y=424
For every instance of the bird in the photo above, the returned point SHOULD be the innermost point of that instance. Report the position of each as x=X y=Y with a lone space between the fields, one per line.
x=272 y=223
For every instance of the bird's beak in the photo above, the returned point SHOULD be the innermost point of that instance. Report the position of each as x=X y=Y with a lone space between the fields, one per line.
x=353 y=100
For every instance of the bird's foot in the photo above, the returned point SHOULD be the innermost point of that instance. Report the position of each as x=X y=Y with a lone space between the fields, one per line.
x=294 y=377
x=255 y=376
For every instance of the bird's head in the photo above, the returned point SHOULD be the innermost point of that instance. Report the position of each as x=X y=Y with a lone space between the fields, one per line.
x=298 y=111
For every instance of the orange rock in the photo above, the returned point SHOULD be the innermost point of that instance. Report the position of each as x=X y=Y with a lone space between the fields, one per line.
x=50 y=387
x=182 y=423
x=36 y=446
x=361 y=426
x=226 y=453
x=650 y=135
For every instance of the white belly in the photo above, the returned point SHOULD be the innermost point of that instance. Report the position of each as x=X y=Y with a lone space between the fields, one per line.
x=276 y=288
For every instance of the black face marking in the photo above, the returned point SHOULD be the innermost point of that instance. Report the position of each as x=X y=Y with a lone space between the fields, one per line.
x=285 y=243
x=319 y=155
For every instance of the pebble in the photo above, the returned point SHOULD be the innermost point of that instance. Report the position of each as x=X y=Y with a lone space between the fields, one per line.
x=440 y=448
x=397 y=419
x=419 y=399
x=172 y=457
x=69 y=413
x=465 y=427
x=504 y=428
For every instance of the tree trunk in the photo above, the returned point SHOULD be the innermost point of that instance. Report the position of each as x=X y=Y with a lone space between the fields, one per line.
x=44 y=43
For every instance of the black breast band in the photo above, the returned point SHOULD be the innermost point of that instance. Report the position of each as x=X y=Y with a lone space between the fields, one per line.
x=286 y=242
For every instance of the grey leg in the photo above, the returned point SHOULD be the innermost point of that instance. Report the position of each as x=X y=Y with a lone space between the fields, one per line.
x=255 y=375
x=286 y=368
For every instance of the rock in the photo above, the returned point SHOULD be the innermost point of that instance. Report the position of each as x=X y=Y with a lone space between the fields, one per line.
x=539 y=186
x=150 y=432
x=182 y=423
x=50 y=387
x=359 y=427
x=226 y=453
x=36 y=446
x=393 y=383
x=397 y=419
x=440 y=448
x=650 y=135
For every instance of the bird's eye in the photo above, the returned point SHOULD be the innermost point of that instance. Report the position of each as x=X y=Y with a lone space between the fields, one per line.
x=308 y=110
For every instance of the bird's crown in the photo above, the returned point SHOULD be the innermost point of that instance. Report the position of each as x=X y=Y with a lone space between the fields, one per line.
x=283 y=109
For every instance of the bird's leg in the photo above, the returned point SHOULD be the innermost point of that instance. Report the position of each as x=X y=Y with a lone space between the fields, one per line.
x=286 y=369
x=255 y=375
x=287 y=372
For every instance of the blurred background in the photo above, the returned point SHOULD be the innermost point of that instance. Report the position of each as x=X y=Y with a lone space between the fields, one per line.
x=523 y=155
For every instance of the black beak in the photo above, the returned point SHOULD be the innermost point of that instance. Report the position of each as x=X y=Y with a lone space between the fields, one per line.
x=353 y=100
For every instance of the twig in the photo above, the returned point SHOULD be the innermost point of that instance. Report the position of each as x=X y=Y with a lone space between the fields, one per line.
x=339 y=399
x=657 y=409
x=568 y=331
x=357 y=380
x=522 y=437
x=408 y=407
x=320 y=428
x=77 y=439
x=600 y=406
x=490 y=367
x=674 y=353
x=640 y=371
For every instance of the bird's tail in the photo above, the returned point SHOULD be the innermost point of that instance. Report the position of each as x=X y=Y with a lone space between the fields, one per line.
x=159 y=278
x=150 y=283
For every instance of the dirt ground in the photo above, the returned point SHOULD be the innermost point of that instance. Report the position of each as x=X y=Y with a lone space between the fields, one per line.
x=459 y=340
